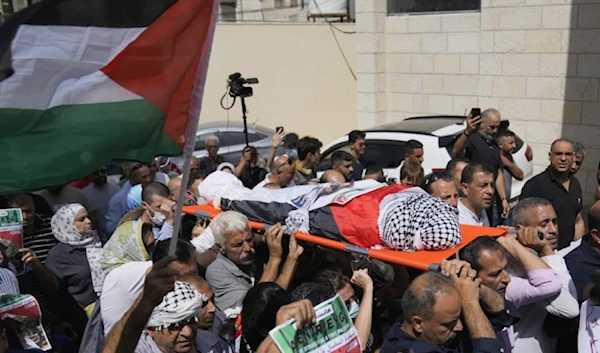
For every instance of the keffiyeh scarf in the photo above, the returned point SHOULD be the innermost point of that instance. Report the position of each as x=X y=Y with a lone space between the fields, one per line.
x=64 y=230
x=414 y=220
x=181 y=304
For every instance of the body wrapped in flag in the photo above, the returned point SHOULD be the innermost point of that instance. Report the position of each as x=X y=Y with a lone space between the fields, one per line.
x=366 y=214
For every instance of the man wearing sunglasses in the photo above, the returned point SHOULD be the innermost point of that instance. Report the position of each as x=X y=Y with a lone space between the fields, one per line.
x=559 y=186
x=442 y=186
x=281 y=173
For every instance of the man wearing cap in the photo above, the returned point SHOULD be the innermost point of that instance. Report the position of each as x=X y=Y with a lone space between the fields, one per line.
x=248 y=170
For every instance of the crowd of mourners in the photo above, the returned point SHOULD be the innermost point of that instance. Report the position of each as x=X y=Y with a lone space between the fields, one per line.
x=96 y=257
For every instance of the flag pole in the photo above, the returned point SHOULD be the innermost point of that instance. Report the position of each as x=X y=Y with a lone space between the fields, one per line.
x=187 y=161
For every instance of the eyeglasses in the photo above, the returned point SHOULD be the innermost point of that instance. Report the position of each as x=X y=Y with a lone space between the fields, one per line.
x=433 y=177
x=288 y=162
x=211 y=147
x=176 y=327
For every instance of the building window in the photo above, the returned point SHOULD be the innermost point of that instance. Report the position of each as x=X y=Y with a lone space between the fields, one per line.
x=416 y=6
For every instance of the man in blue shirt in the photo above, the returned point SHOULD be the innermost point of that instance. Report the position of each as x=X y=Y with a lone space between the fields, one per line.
x=118 y=207
x=432 y=308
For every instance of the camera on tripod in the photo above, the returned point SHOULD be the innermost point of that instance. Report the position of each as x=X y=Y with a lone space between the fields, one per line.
x=236 y=85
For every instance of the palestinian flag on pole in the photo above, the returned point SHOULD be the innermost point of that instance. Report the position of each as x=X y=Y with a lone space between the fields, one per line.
x=85 y=82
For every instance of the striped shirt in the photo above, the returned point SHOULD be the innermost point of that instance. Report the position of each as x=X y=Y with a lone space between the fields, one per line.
x=8 y=282
x=42 y=239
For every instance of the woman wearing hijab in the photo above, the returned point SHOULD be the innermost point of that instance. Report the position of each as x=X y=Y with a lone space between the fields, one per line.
x=126 y=259
x=76 y=258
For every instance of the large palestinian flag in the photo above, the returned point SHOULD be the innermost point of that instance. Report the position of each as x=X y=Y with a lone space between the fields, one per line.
x=85 y=82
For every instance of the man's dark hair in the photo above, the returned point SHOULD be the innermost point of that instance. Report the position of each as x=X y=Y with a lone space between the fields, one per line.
x=453 y=163
x=520 y=212
x=472 y=252
x=316 y=292
x=373 y=169
x=431 y=178
x=472 y=169
x=412 y=145
x=419 y=298
x=335 y=278
x=308 y=145
x=154 y=188
x=19 y=200
x=355 y=135
x=259 y=311
x=504 y=133
x=594 y=219
x=340 y=156
x=184 y=251
x=195 y=175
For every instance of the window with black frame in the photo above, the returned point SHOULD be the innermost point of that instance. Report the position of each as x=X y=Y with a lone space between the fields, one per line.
x=416 y=6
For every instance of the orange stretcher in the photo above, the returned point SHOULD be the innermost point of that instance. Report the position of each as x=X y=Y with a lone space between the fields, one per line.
x=422 y=260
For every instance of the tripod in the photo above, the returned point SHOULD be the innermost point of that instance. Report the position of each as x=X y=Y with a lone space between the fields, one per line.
x=244 y=117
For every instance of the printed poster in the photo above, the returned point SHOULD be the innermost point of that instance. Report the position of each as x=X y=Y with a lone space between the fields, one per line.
x=332 y=333
x=23 y=314
x=11 y=237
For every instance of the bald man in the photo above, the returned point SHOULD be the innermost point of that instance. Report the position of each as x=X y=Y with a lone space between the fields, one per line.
x=281 y=172
x=432 y=307
x=331 y=176
x=174 y=186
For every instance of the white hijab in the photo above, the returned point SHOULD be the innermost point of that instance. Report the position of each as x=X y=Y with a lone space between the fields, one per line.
x=64 y=230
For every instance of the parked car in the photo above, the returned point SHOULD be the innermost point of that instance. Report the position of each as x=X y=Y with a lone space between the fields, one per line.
x=232 y=140
x=385 y=146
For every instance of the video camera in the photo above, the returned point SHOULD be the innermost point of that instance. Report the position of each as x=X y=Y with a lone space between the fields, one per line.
x=236 y=85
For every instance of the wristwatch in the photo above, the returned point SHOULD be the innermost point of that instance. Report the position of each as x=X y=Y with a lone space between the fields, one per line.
x=503 y=199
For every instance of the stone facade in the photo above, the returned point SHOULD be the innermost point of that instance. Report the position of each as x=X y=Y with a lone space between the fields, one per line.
x=537 y=61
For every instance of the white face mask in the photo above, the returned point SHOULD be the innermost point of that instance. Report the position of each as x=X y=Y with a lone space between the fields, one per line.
x=158 y=219
x=353 y=312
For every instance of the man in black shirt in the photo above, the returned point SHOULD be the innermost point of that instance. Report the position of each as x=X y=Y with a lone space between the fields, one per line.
x=356 y=138
x=432 y=307
x=248 y=170
x=558 y=185
x=478 y=144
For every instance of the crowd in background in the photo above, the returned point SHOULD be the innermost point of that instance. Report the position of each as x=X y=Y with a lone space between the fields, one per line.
x=95 y=256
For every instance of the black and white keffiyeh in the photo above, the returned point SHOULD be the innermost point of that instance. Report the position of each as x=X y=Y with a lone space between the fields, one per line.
x=181 y=304
x=414 y=220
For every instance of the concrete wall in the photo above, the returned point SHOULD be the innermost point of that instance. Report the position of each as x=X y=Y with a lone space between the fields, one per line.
x=537 y=61
x=304 y=86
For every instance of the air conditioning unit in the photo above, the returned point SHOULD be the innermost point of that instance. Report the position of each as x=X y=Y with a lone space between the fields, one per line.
x=328 y=7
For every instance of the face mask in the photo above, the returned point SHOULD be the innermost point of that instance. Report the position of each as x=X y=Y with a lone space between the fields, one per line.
x=353 y=312
x=293 y=154
x=158 y=219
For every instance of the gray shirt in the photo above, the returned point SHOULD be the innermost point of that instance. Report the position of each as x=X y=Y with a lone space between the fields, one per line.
x=208 y=342
x=229 y=284
x=71 y=266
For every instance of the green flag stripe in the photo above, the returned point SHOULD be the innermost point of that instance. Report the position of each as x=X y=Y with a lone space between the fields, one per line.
x=43 y=148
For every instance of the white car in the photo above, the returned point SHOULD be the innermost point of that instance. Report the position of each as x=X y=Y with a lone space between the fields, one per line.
x=385 y=146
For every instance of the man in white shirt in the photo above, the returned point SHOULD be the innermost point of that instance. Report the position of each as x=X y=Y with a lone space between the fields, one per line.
x=477 y=186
